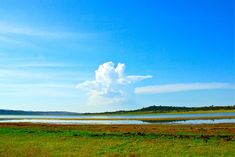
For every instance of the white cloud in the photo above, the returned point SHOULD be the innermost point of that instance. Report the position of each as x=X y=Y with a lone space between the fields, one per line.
x=32 y=90
x=9 y=29
x=170 y=88
x=14 y=41
x=45 y=65
x=107 y=88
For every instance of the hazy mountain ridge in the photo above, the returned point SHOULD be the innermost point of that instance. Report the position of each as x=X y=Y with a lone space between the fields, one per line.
x=21 y=112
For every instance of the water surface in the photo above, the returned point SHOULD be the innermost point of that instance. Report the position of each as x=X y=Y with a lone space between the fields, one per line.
x=57 y=119
x=54 y=121
x=125 y=116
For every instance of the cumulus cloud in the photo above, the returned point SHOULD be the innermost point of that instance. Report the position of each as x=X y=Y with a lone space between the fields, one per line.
x=107 y=88
x=170 y=88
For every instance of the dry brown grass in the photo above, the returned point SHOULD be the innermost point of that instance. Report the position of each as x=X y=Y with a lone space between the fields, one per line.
x=210 y=129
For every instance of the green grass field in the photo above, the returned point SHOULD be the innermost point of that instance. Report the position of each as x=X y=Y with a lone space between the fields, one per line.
x=32 y=140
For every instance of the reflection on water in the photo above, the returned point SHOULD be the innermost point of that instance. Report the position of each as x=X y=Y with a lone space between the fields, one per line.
x=208 y=121
x=74 y=121
x=125 y=116
x=57 y=119
x=215 y=121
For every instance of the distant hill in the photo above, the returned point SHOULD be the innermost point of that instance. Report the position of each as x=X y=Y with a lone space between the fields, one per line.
x=180 y=109
x=165 y=109
x=20 y=112
x=150 y=109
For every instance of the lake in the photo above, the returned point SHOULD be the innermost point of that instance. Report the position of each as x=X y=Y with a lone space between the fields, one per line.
x=57 y=119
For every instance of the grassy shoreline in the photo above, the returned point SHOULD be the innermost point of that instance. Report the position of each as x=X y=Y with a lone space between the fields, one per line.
x=122 y=127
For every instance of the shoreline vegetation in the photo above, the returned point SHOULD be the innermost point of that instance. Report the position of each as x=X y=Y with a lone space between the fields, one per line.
x=45 y=140
x=145 y=110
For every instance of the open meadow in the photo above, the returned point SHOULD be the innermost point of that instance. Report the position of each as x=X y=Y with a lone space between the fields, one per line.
x=46 y=140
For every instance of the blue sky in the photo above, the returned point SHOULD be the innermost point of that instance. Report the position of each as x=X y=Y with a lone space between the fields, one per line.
x=170 y=53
